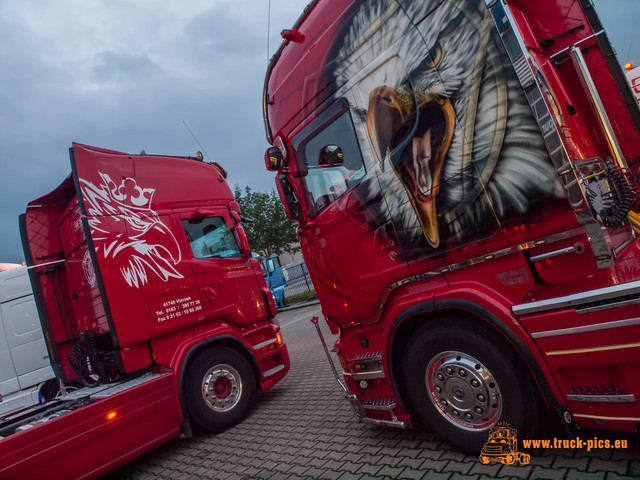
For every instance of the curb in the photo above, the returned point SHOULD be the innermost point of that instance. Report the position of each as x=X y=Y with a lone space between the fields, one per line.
x=299 y=305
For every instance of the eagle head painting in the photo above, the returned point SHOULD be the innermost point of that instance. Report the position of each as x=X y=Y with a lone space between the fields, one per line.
x=458 y=150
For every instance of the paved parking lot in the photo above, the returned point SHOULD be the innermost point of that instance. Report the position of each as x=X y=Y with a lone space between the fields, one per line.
x=303 y=428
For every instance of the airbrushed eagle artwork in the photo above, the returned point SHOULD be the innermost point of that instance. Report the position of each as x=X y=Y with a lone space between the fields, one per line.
x=448 y=121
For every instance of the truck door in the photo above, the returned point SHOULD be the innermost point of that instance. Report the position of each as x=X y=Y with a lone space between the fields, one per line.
x=225 y=276
x=352 y=239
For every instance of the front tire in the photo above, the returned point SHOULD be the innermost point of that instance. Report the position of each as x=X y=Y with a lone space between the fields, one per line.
x=460 y=378
x=220 y=388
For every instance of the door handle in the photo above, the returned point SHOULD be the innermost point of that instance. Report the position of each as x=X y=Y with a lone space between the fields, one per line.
x=208 y=294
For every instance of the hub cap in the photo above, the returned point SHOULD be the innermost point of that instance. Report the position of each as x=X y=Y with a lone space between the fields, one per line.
x=222 y=387
x=463 y=390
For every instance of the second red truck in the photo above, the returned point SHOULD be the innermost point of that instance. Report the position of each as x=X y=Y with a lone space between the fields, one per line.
x=150 y=302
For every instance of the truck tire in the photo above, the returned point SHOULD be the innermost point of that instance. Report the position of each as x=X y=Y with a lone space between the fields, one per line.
x=220 y=388
x=460 y=378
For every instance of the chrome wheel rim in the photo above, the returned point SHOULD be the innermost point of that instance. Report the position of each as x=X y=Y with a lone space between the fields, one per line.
x=463 y=390
x=222 y=387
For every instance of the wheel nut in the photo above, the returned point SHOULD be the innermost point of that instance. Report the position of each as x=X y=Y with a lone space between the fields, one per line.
x=478 y=410
x=440 y=377
x=475 y=382
x=469 y=416
x=462 y=373
x=438 y=389
x=455 y=412
x=481 y=397
x=449 y=370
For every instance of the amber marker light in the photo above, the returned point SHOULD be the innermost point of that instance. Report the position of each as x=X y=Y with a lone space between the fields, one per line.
x=112 y=415
x=279 y=337
x=628 y=66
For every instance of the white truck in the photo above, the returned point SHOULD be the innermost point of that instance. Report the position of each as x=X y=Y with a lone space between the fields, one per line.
x=25 y=373
x=633 y=76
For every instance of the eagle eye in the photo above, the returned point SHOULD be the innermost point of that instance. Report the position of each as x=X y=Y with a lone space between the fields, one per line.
x=435 y=55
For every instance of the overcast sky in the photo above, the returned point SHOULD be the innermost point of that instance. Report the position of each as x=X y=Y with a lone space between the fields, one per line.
x=125 y=75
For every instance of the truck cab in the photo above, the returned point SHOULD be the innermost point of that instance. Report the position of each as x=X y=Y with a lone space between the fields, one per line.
x=276 y=276
x=462 y=175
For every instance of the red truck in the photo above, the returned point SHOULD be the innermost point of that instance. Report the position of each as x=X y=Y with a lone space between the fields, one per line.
x=460 y=171
x=151 y=306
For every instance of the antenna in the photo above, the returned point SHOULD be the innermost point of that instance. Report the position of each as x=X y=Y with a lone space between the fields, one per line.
x=194 y=137
x=268 y=30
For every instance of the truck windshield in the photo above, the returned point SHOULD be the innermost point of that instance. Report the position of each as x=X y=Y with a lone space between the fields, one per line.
x=273 y=264
x=209 y=237
x=327 y=184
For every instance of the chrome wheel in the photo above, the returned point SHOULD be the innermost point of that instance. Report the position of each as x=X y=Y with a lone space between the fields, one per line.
x=463 y=390
x=222 y=387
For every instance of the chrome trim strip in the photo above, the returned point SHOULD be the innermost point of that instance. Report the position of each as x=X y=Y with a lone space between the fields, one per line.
x=576 y=248
x=593 y=349
x=587 y=328
x=264 y=344
x=575 y=299
x=600 y=417
x=273 y=371
x=602 y=398
x=606 y=306
x=592 y=91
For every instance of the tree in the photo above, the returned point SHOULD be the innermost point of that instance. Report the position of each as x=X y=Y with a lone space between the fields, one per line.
x=272 y=232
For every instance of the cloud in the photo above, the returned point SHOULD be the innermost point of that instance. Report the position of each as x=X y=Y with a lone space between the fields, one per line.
x=222 y=34
x=113 y=66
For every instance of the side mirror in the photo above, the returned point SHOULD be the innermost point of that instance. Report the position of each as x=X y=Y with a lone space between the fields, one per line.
x=243 y=242
x=331 y=156
x=273 y=159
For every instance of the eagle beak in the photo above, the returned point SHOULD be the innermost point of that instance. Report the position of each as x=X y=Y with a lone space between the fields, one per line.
x=388 y=111
x=390 y=119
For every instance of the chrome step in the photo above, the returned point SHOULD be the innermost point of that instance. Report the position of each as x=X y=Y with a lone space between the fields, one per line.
x=387 y=404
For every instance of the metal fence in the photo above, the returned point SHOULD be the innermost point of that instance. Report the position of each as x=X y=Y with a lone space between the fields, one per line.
x=299 y=287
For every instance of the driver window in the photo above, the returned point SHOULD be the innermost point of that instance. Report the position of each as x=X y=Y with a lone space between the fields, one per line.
x=326 y=184
x=209 y=237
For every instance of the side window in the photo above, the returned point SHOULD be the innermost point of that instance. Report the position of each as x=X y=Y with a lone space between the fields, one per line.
x=324 y=183
x=210 y=237
x=274 y=264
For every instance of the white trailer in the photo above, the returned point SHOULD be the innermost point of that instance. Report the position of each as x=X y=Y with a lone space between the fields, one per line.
x=25 y=372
